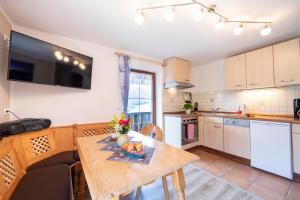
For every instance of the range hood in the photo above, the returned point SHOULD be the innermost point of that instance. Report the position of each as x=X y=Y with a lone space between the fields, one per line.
x=177 y=73
x=178 y=85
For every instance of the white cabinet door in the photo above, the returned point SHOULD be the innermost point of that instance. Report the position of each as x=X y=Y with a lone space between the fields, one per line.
x=259 y=68
x=287 y=63
x=296 y=147
x=201 y=130
x=237 y=141
x=213 y=136
x=235 y=72
x=177 y=69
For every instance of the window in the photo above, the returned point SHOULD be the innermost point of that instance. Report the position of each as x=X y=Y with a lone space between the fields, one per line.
x=141 y=100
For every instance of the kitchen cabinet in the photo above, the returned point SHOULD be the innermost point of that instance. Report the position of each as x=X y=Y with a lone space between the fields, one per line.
x=213 y=133
x=176 y=69
x=287 y=63
x=235 y=73
x=201 y=129
x=296 y=147
x=237 y=137
x=259 y=68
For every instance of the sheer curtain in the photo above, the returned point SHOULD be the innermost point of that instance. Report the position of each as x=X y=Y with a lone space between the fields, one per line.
x=124 y=72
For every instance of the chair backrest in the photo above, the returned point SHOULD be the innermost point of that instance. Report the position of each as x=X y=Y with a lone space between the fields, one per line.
x=10 y=171
x=86 y=130
x=153 y=131
x=38 y=145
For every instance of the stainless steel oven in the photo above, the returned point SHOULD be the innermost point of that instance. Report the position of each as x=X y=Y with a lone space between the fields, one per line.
x=189 y=132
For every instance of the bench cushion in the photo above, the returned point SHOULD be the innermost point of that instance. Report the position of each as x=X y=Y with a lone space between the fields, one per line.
x=66 y=157
x=47 y=183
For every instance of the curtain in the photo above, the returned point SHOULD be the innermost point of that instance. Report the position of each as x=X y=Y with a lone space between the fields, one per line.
x=124 y=71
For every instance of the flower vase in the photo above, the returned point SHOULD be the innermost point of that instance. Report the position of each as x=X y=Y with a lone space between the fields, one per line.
x=122 y=139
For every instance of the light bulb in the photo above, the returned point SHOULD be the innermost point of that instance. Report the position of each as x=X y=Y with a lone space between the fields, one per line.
x=139 y=18
x=75 y=62
x=66 y=59
x=219 y=25
x=198 y=15
x=170 y=14
x=238 y=30
x=265 y=31
x=59 y=57
x=57 y=54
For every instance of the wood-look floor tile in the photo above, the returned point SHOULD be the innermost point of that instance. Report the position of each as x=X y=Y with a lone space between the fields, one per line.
x=270 y=187
x=294 y=193
x=241 y=175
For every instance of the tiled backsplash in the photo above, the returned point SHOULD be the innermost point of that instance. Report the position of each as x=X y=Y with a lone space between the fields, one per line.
x=268 y=101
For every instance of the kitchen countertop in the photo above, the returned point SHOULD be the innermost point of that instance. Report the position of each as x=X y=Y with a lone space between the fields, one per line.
x=261 y=117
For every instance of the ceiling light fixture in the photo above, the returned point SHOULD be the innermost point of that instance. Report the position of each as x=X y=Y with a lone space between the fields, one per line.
x=266 y=30
x=57 y=54
x=238 y=30
x=75 y=62
x=170 y=14
x=219 y=25
x=139 y=18
x=198 y=15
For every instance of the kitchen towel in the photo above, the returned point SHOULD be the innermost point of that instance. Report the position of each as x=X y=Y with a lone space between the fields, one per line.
x=191 y=133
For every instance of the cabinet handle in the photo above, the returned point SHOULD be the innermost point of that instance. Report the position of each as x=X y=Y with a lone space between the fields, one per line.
x=253 y=84
x=238 y=85
x=217 y=126
x=187 y=80
x=287 y=81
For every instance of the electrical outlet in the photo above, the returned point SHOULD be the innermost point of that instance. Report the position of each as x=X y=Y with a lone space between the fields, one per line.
x=5 y=111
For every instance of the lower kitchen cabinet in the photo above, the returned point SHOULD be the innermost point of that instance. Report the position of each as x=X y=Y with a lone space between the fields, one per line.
x=213 y=133
x=296 y=148
x=201 y=129
x=237 y=137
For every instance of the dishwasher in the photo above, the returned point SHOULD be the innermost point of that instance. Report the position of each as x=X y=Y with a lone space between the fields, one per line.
x=237 y=137
x=271 y=147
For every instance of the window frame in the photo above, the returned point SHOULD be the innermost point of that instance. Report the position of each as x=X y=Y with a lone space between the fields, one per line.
x=153 y=75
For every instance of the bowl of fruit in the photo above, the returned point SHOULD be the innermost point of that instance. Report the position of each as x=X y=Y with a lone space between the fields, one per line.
x=134 y=150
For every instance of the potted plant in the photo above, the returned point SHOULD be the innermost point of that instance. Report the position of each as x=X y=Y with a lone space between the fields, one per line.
x=121 y=126
x=188 y=107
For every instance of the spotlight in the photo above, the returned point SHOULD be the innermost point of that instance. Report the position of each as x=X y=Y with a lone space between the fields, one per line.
x=75 y=62
x=219 y=25
x=266 y=30
x=139 y=18
x=170 y=14
x=198 y=15
x=59 y=57
x=66 y=59
x=238 y=30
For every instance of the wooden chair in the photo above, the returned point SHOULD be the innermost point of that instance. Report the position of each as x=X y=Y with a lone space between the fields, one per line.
x=156 y=133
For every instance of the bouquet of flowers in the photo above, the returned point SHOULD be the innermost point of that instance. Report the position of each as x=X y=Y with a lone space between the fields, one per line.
x=121 y=125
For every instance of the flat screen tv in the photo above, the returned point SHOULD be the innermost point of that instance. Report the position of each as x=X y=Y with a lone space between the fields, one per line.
x=35 y=61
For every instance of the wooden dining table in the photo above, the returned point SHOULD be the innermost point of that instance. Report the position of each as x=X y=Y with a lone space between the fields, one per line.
x=109 y=179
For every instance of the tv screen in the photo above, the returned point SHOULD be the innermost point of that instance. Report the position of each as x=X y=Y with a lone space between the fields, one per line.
x=33 y=60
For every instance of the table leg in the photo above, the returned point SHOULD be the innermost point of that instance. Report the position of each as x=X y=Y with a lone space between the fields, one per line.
x=179 y=183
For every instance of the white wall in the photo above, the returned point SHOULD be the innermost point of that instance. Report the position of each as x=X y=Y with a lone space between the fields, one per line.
x=5 y=28
x=66 y=106
x=209 y=77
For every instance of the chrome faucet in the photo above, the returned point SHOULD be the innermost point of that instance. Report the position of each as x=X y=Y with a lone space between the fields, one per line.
x=216 y=110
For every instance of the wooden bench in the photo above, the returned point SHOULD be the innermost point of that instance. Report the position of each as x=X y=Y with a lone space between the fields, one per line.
x=38 y=165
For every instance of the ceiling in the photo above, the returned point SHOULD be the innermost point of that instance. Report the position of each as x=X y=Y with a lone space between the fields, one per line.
x=111 y=23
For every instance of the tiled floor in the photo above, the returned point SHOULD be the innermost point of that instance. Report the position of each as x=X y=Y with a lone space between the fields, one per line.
x=264 y=185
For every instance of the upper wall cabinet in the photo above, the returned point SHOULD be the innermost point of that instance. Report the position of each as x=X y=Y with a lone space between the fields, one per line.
x=259 y=68
x=287 y=63
x=177 y=69
x=235 y=72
